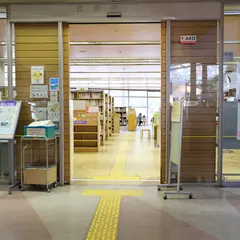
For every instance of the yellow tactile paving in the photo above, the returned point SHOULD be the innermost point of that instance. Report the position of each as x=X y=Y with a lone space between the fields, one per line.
x=104 y=225
x=121 y=193
x=119 y=167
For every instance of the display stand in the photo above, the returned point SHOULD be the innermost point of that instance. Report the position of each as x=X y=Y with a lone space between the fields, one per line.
x=176 y=146
x=9 y=115
x=132 y=120
x=175 y=111
x=39 y=161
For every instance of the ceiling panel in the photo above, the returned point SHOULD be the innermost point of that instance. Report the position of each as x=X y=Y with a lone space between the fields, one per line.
x=231 y=28
x=3 y=30
x=115 y=32
x=119 y=51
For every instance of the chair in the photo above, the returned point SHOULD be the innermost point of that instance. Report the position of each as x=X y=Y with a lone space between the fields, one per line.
x=145 y=130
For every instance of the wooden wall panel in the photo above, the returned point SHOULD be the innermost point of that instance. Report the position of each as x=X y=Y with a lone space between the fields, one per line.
x=66 y=48
x=163 y=102
x=37 y=44
x=199 y=126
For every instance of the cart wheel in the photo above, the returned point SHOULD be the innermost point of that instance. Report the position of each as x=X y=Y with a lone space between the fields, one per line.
x=22 y=189
x=55 y=185
x=165 y=197
x=48 y=190
x=190 y=196
x=9 y=192
x=159 y=189
x=181 y=188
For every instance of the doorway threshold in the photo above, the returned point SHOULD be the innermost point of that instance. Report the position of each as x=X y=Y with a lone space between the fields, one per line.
x=115 y=182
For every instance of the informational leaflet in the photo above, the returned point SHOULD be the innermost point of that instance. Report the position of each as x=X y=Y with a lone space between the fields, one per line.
x=53 y=96
x=54 y=84
x=176 y=111
x=40 y=113
x=54 y=114
x=37 y=75
x=53 y=111
x=38 y=91
x=9 y=114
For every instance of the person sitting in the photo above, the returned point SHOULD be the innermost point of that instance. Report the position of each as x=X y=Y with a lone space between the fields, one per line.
x=139 y=119
x=144 y=120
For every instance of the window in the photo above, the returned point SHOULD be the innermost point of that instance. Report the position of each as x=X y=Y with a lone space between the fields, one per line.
x=118 y=93
x=154 y=94
x=120 y=101
x=138 y=94
x=138 y=102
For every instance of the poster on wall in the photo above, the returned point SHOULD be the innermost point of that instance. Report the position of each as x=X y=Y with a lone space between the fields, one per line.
x=38 y=91
x=40 y=113
x=9 y=114
x=37 y=75
x=176 y=111
x=54 y=114
x=53 y=111
x=53 y=96
x=54 y=84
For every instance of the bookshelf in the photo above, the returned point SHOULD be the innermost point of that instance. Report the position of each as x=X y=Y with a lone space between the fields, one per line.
x=86 y=137
x=110 y=115
x=122 y=111
x=106 y=116
x=94 y=98
x=113 y=112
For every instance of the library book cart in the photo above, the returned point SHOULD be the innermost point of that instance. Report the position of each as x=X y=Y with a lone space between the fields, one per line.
x=39 y=159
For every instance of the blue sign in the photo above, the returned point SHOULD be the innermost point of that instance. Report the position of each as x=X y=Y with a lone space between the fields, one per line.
x=54 y=84
x=8 y=103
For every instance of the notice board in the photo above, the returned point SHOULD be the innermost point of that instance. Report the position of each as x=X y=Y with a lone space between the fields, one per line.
x=176 y=134
x=9 y=115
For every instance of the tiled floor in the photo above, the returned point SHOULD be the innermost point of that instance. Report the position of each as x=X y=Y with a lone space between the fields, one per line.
x=124 y=157
x=68 y=213
x=120 y=212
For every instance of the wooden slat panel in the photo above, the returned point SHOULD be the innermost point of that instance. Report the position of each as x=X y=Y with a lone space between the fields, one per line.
x=34 y=46
x=163 y=102
x=37 y=53
x=198 y=154
x=198 y=45
x=37 y=44
x=193 y=24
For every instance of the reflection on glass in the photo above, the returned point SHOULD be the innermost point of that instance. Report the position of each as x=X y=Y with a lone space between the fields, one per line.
x=193 y=84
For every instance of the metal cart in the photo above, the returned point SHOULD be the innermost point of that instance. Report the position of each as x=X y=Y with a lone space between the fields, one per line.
x=39 y=162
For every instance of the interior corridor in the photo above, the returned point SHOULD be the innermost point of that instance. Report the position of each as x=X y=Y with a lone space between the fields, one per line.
x=125 y=157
